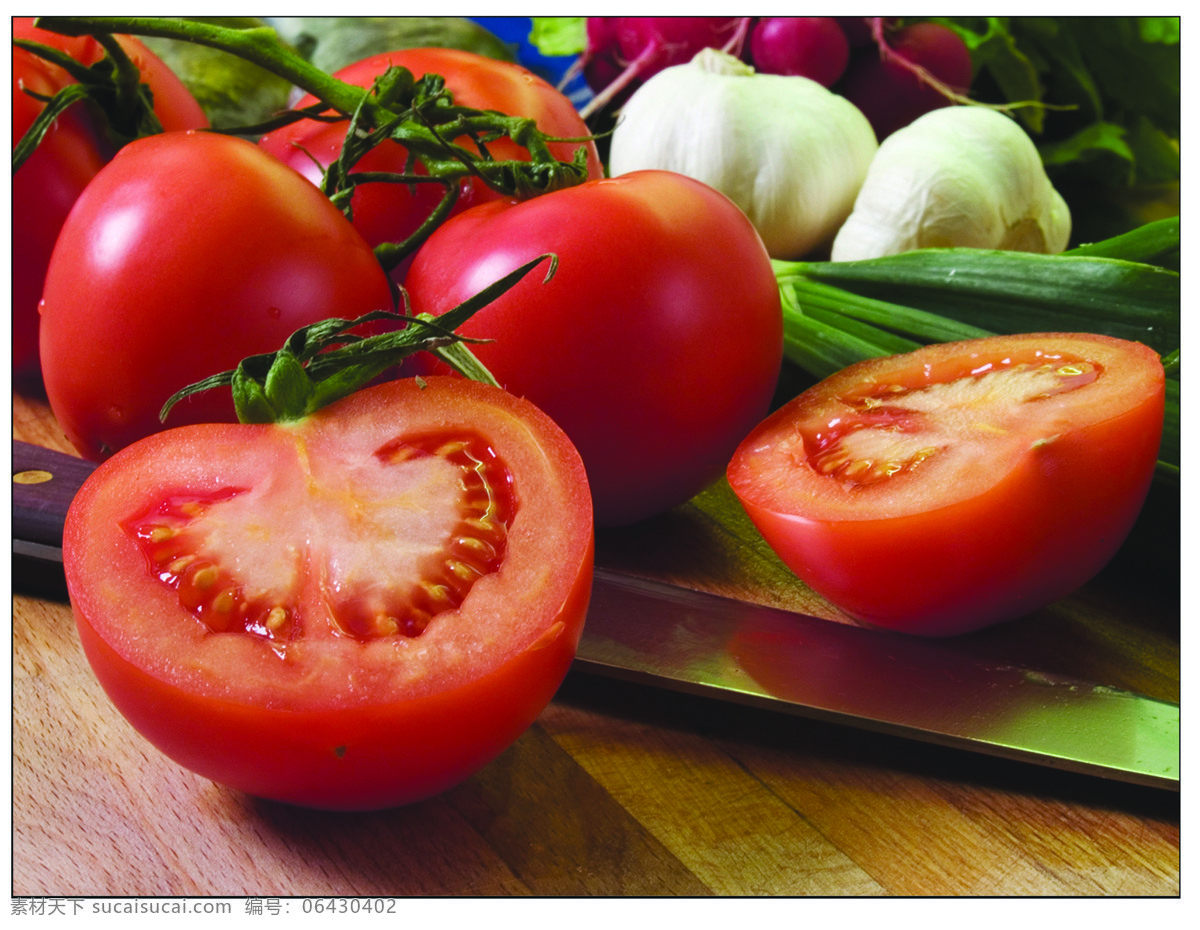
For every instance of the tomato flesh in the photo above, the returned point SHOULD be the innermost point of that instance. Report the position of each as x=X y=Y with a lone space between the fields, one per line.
x=353 y=612
x=186 y=540
x=960 y=485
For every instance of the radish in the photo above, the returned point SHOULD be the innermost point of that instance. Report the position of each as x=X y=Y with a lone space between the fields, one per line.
x=814 y=47
x=601 y=59
x=623 y=51
x=858 y=29
x=907 y=73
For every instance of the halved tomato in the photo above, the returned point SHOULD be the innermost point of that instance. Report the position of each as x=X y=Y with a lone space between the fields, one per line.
x=351 y=612
x=962 y=484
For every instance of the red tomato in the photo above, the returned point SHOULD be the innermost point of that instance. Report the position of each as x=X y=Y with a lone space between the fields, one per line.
x=67 y=159
x=186 y=254
x=352 y=612
x=387 y=212
x=962 y=484
x=656 y=345
x=174 y=104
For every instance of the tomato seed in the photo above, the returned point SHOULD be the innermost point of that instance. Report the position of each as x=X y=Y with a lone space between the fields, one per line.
x=176 y=535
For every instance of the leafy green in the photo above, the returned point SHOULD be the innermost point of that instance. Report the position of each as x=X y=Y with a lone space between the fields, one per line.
x=559 y=35
x=1105 y=90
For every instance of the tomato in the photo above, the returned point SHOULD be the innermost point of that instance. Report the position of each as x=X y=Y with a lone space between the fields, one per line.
x=351 y=612
x=962 y=484
x=386 y=212
x=43 y=192
x=187 y=253
x=657 y=344
x=69 y=156
x=174 y=104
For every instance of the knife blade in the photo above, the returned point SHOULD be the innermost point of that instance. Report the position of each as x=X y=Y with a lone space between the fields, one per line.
x=704 y=644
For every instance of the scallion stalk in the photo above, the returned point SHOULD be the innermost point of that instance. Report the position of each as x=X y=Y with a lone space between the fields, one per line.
x=838 y=313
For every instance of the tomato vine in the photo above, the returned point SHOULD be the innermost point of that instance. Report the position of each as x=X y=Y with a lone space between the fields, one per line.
x=417 y=113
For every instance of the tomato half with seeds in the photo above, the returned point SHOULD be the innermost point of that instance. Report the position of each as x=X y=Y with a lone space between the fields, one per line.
x=962 y=484
x=351 y=612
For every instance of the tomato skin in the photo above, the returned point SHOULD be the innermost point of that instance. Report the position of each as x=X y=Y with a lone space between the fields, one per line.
x=1015 y=523
x=44 y=191
x=334 y=723
x=657 y=344
x=187 y=253
x=69 y=156
x=391 y=212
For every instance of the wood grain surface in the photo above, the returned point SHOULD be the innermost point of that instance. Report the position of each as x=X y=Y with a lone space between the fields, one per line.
x=622 y=789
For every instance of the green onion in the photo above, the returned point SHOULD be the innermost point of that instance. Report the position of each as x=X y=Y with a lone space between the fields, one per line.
x=1155 y=243
x=838 y=313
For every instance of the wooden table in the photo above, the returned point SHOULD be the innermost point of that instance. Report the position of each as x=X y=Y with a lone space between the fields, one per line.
x=621 y=789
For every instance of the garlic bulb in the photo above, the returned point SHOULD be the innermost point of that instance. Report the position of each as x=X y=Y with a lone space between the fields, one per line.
x=791 y=154
x=958 y=176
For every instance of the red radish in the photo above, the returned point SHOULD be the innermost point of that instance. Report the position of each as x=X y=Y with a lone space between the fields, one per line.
x=857 y=29
x=601 y=60
x=638 y=47
x=808 y=46
x=913 y=70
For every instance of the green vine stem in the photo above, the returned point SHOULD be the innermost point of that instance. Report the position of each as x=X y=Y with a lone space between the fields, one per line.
x=417 y=114
x=259 y=45
x=326 y=361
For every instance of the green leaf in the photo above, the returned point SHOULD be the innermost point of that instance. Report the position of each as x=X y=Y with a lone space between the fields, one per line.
x=1155 y=154
x=1163 y=30
x=559 y=35
x=1098 y=141
x=1106 y=91
x=997 y=52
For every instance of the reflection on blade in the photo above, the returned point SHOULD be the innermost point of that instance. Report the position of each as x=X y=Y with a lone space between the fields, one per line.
x=697 y=642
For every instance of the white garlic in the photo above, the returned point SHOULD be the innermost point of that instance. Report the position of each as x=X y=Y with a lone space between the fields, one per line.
x=958 y=176
x=790 y=153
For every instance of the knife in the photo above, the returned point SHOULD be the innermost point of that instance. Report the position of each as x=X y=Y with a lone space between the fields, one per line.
x=704 y=644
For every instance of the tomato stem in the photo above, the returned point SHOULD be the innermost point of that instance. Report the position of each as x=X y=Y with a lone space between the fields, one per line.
x=258 y=45
x=417 y=113
x=113 y=84
x=327 y=361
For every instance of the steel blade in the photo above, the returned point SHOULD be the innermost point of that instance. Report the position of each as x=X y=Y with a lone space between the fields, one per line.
x=697 y=642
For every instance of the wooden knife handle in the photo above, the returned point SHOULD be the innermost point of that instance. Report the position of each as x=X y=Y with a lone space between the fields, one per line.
x=44 y=483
